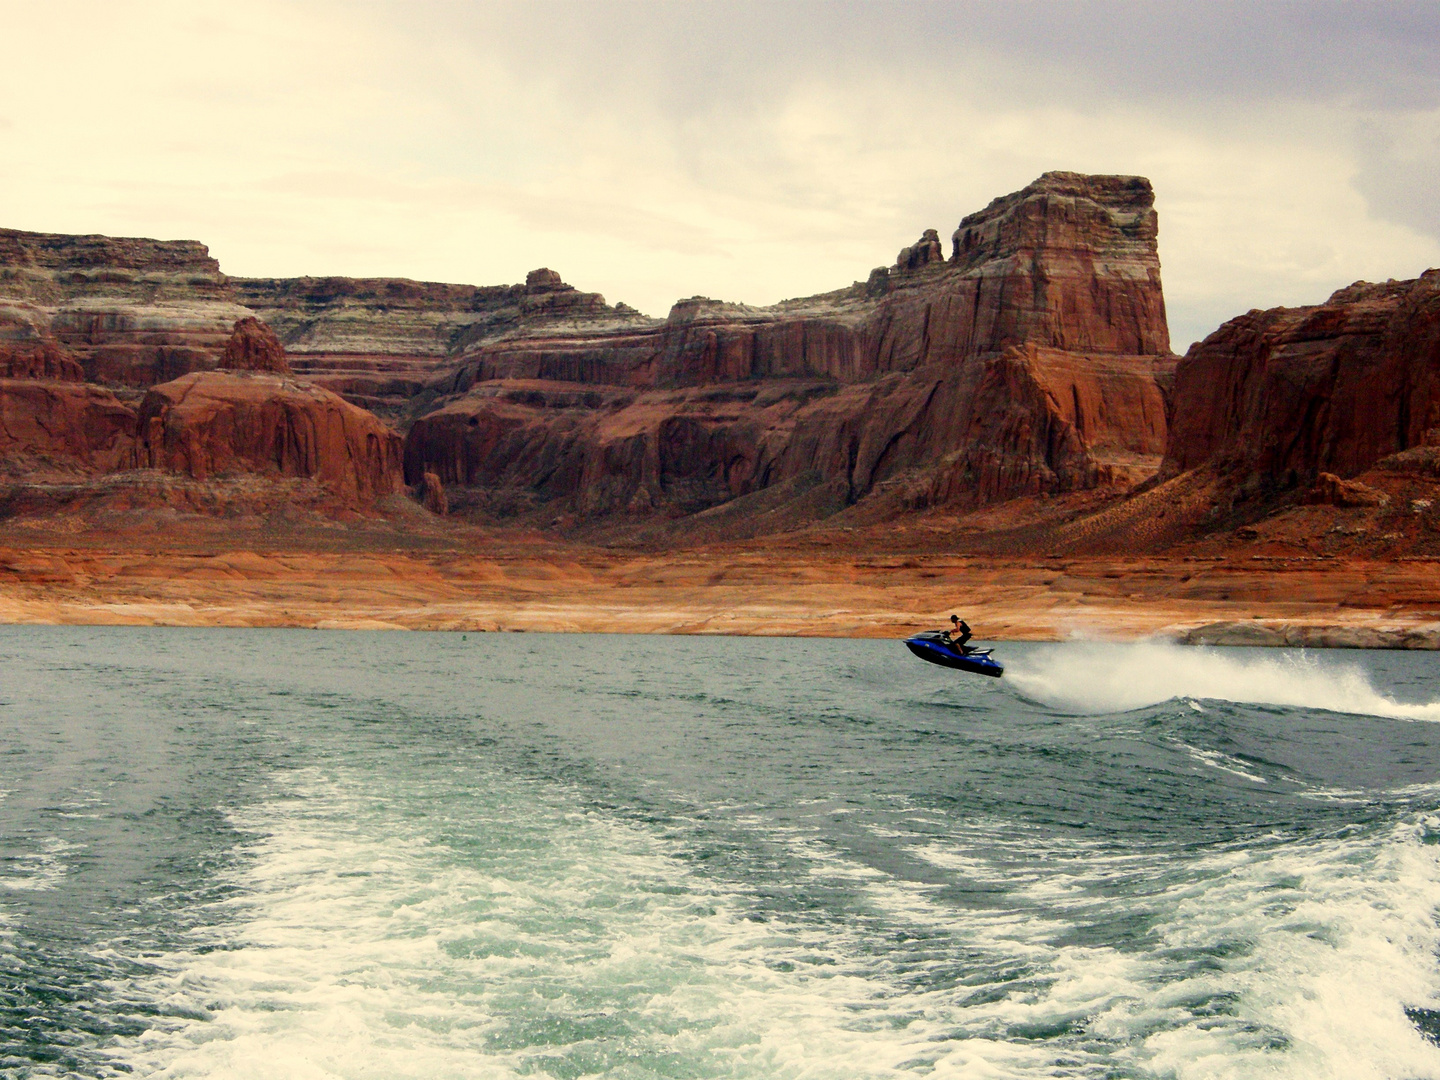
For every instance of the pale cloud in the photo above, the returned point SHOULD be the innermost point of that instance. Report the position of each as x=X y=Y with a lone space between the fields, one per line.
x=654 y=151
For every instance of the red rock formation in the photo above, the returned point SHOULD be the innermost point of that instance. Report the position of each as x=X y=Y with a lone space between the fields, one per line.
x=131 y=311
x=83 y=424
x=216 y=423
x=253 y=346
x=1029 y=421
x=1068 y=263
x=432 y=495
x=27 y=352
x=1283 y=395
x=923 y=252
x=41 y=360
x=1030 y=362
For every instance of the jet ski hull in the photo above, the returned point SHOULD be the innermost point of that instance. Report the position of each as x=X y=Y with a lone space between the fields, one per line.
x=937 y=652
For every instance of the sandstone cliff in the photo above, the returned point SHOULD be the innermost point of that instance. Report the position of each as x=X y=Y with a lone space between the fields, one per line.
x=377 y=340
x=1031 y=361
x=44 y=423
x=216 y=423
x=131 y=311
x=1312 y=430
x=1283 y=395
x=134 y=312
x=27 y=351
x=251 y=420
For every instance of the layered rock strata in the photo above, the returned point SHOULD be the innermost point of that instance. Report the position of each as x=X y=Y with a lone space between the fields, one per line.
x=1276 y=398
x=134 y=312
x=215 y=423
x=28 y=352
x=1032 y=361
x=251 y=419
x=377 y=340
x=131 y=311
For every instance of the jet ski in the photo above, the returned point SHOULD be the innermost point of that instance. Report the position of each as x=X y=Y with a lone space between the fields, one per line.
x=932 y=646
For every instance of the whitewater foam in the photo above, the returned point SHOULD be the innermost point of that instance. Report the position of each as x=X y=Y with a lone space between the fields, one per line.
x=461 y=883
x=1105 y=677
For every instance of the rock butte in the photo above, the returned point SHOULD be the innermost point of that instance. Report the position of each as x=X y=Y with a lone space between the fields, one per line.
x=1014 y=395
x=1032 y=361
x=214 y=423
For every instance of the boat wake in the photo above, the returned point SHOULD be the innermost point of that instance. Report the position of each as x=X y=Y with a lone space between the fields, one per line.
x=1104 y=677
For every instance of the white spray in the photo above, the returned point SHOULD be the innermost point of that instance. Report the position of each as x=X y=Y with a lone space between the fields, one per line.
x=1097 y=677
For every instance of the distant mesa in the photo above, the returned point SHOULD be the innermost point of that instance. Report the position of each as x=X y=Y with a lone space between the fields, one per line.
x=1030 y=362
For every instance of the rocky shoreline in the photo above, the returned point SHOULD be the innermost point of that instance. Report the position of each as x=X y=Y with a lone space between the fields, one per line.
x=1281 y=635
x=366 y=577
x=1001 y=427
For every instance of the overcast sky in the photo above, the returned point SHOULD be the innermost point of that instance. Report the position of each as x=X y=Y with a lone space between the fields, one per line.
x=743 y=151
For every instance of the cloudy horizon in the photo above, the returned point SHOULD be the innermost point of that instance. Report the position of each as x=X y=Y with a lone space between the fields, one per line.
x=744 y=151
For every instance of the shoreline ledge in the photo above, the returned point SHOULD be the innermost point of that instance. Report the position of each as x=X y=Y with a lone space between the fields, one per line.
x=1262 y=634
x=742 y=592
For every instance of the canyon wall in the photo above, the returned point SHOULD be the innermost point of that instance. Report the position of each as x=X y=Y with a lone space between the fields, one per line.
x=1280 y=396
x=215 y=423
x=72 y=425
x=376 y=341
x=1031 y=361
x=132 y=312
x=251 y=418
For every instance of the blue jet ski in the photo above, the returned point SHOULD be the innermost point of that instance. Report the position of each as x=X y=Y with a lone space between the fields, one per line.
x=932 y=646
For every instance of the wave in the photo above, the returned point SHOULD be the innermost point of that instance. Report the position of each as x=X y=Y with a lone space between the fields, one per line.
x=1102 y=677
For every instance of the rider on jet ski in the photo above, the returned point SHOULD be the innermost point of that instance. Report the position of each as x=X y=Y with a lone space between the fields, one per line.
x=957 y=635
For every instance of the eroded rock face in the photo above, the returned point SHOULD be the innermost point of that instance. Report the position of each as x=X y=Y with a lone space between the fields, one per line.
x=28 y=352
x=1069 y=262
x=131 y=311
x=1280 y=396
x=217 y=423
x=1032 y=361
x=376 y=341
x=1028 y=421
x=432 y=495
x=44 y=360
x=85 y=425
x=253 y=346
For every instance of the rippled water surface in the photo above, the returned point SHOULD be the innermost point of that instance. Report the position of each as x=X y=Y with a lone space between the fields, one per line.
x=306 y=854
